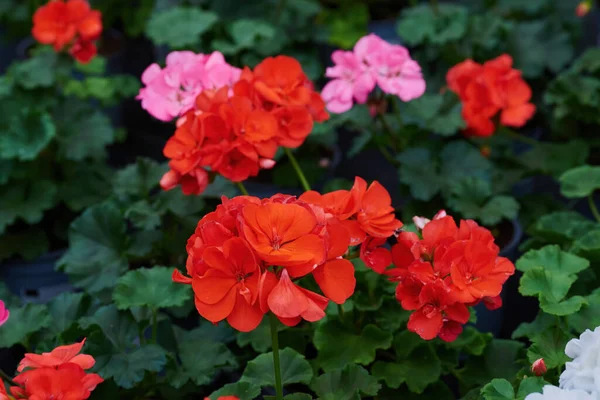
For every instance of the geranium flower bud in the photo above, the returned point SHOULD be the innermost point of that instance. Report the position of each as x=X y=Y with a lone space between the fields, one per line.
x=539 y=367
x=266 y=163
x=583 y=9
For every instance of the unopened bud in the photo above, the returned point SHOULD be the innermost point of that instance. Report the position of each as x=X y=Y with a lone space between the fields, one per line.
x=485 y=151
x=539 y=367
x=324 y=162
x=266 y=163
x=583 y=8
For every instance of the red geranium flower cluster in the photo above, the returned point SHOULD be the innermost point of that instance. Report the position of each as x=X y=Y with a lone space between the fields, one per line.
x=243 y=256
x=68 y=23
x=59 y=374
x=487 y=89
x=236 y=131
x=444 y=271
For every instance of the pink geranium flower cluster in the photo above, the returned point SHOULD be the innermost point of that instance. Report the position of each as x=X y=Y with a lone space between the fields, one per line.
x=373 y=61
x=171 y=91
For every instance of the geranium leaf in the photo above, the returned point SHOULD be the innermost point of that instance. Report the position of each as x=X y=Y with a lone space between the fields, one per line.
x=532 y=384
x=86 y=184
x=201 y=357
x=580 y=181
x=530 y=329
x=565 y=307
x=179 y=27
x=552 y=258
x=37 y=71
x=143 y=215
x=549 y=345
x=23 y=321
x=83 y=132
x=345 y=384
x=419 y=172
x=471 y=341
x=420 y=369
x=562 y=227
x=587 y=245
x=137 y=180
x=26 y=201
x=556 y=158
x=339 y=347
x=294 y=369
x=150 y=287
x=97 y=248
x=421 y=24
x=113 y=346
x=430 y=112
x=549 y=285
x=498 y=389
x=25 y=134
x=65 y=309
x=588 y=315
x=243 y=390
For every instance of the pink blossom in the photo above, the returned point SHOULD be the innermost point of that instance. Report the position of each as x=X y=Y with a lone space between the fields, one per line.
x=171 y=91
x=373 y=61
x=4 y=313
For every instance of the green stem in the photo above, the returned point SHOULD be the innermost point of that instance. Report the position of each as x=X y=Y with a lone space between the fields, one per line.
x=517 y=136
x=386 y=154
x=154 y=325
x=242 y=188
x=388 y=130
x=8 y=379
x=434 y=6
x=341 y=312
x=397 y=112
x=297 y=168
x=276 y=363
x=593 y=207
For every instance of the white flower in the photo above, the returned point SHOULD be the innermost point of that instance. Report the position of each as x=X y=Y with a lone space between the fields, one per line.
x=583 y=372
x=554 y=393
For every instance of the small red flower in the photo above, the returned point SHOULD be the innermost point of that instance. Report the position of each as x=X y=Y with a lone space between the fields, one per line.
x=58 y=356
x=62 y=23
x=539 y=367
x=488 y=89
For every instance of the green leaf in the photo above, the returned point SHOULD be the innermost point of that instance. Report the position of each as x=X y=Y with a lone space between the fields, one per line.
x=471 y=341
x=580 y=181
x=84 y=133
x=113 y=348
x=202 y=356
x=552 y=258
x=65 y=309
x=549 y=345
x=137 y=180
x=246 y=34
x=38 y=71
x=143 y=215
x=421 y=24
x=179 y=27
x=26 y=134
x=555 y=158
x=86 y=184
x=98 y=243
x=346 y=23
x=587 y=245
x=548 y=285
x=149 y=287
x=532 y=384
x=419 y=172
x=26 y=201
x=294 y=369
x=345 y=384
x=24 y=321
x=536 y=47
x=588 y=315
x=339 y=347
x=498 y=389
x=431 y=112
x=562 y=227
x=259 y=338
x=419 y=370
x=566 y=307
x=242 y=390
x=530 y=329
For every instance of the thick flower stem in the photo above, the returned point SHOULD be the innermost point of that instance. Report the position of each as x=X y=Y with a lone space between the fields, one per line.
x=297 y=168
x=154 y=325
x=8 y=379
x=242 y=188
x=593 y=207
x=276 y=363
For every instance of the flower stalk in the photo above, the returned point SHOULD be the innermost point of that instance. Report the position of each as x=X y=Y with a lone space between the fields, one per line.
x=593 y=207
x=303 y=180
x=276 y=363
x=8 y=379
x=242 y=188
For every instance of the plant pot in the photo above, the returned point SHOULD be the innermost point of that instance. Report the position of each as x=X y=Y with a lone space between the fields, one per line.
x=35 y=281
x=493 y=321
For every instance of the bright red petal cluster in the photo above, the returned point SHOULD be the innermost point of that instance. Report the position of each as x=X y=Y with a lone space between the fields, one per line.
x=443 y=272
x=487 y=89
x=243 y=257
x=235 y=132
x=59 y=374
x=68 y=23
